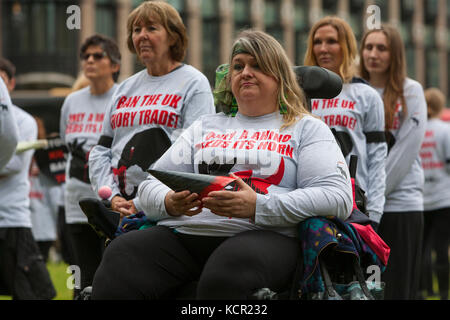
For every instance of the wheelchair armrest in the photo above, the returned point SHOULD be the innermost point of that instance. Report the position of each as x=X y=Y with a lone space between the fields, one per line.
x=104 y=220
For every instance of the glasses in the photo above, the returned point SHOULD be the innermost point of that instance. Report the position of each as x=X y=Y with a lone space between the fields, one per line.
x=96 y=55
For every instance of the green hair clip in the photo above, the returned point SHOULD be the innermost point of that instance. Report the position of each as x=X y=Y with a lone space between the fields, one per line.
x=283 y=107
x=223 y=98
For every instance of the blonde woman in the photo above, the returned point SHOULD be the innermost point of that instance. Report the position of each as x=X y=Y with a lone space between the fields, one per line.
x=356 y=115
x=288 y=168
x=383 y=64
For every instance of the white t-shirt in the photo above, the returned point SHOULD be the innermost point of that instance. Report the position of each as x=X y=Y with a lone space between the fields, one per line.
x=358 y=112
x=144 y=117
x=8 y=126
x=14 y=184
x=297 y=173
x=435 y=155
x=404 y=173
x=81 y=122
x=44 y=205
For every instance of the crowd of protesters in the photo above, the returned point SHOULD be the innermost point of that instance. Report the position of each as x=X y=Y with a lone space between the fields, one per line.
x=393 y=126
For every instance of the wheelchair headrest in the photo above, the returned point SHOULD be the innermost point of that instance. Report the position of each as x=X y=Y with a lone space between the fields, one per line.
x=317 y=82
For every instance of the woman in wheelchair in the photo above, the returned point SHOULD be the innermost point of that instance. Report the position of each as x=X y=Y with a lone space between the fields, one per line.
x=288 y=167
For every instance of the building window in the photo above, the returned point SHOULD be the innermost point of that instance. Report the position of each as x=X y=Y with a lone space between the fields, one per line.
x=431 y=11
x=357 y=10
x=431 y=57
x=301 y=26
x=36 y=38
x=241 y=14
x=407 y=10
x=272 y=18
x=431 y=51
x=384 y=9
x=105 y=18
x=329 y=7
x=432 y=68
x=410 y=58
x=211 y=39
x=405 y=29
x=180 y=6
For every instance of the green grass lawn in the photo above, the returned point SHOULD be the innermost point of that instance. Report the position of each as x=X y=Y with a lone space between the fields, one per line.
x=59 y=277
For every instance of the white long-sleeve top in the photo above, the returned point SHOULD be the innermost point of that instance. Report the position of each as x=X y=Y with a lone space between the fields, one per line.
x=14 y=183
x=44 y=204
x=299 y=172
x=8 y=126
x=404 y=173
x=82 y=116
x=435 y=155
x=144 y=117
x=358 y=111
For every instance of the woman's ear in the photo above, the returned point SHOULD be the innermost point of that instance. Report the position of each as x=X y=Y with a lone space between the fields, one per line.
x=115 y=67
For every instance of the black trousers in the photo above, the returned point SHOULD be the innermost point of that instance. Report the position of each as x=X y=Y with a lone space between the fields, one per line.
x=403 y=233
x=157 y=263
x=437 y=239
x=44 y=248
x=88 y=249
x=64 y=239
x=23 y=272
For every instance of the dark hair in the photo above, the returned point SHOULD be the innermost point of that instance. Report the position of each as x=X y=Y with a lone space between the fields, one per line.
x=8 y=67
x=108 y=45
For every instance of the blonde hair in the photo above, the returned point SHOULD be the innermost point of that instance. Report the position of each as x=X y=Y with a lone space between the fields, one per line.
x=435 y=102
x=393 y=91
x=346 y=40
x=273 y=61
x=168 y=17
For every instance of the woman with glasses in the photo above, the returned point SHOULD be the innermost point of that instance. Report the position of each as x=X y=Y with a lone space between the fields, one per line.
x=150 y=108
x=80 y=125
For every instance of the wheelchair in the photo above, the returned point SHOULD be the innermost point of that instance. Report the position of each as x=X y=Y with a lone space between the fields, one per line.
x=342 y=275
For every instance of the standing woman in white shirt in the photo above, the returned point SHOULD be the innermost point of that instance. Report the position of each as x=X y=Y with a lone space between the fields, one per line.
x=81 y=120
x=435 y=154
x=149 y=108
x=356 y=115
x=384 y=66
